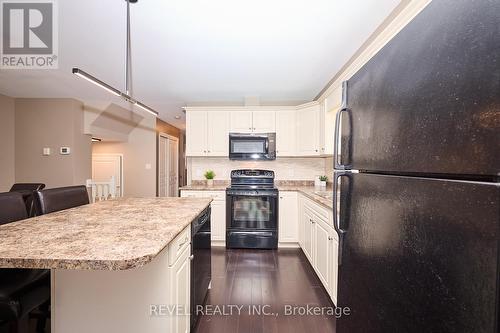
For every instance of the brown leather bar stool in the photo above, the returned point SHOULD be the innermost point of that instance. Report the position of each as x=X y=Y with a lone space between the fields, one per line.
x=27 y=189
x=21 y=290
x=56 y=199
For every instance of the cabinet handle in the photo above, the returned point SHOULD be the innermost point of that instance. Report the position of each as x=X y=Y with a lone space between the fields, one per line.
x=185 y=241
x=281 y=197
x=330 y=238
x=250 y=128
x=208 y=151
x=191 y=257
x=316 y=150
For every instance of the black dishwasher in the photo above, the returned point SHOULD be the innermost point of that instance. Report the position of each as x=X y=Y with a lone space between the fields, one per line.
x=201 y=262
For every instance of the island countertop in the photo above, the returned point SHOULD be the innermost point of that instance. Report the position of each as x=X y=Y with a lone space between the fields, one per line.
x=117 y=234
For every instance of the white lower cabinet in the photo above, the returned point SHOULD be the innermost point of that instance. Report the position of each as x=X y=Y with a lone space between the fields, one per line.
x=288 y=227
x=218 y=217
x=180 y=288
x=320 y=244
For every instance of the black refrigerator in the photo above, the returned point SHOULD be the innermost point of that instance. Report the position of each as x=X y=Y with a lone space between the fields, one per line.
x=417 y=165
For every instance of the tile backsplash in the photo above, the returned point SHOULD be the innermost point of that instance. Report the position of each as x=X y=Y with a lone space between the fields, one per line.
x=285 y=168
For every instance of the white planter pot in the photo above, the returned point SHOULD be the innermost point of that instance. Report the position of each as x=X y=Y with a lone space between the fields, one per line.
x=322 y=183
x=210 y=182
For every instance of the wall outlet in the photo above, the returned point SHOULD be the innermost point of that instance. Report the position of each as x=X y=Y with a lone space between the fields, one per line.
x=65 y=151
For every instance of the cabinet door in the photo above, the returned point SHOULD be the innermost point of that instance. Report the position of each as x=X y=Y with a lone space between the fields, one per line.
x=286 y=133
x=218 y=220
x=288 y=228
x=196 y=133
x=218 y=123
x=180 y=288
x=308 y=131
x=322 y=251
x=334 y=269
x=241 y=122
x=264 y=121
x=308 y=234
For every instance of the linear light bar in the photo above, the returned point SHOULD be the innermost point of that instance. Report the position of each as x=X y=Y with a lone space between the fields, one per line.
x=96 y=81
x=92 y=79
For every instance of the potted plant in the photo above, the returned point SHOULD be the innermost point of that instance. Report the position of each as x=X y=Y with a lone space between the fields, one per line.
x=209 y=176
x=323 y=180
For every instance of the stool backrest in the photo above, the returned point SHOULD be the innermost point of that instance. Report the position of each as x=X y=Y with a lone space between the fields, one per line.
x=27 y=189
x=56 y=199
x=12 y=207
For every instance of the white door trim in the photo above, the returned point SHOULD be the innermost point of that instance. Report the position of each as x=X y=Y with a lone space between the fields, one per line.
x=122 y=179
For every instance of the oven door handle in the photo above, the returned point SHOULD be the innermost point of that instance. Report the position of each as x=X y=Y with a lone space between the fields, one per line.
x=252 y=195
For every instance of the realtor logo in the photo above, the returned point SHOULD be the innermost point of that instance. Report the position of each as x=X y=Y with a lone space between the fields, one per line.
x=29 y=34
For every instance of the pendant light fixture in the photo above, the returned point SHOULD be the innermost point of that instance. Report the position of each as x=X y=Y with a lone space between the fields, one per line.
x=127 y=94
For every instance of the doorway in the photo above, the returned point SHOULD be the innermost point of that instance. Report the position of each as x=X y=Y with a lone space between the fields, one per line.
x=105 y=166
x=168 y=166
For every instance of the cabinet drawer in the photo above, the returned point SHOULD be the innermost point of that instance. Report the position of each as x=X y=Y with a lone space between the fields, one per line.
x=321 y=212
x=177 y=246
x=216 y=195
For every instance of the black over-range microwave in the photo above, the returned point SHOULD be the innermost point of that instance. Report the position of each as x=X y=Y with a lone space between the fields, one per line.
x=244 y=146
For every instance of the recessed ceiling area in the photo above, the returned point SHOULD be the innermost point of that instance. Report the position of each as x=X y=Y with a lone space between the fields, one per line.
x=188 y=52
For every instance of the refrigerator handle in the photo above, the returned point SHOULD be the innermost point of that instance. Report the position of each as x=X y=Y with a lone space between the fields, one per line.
x=336 y=209
x=337 y=135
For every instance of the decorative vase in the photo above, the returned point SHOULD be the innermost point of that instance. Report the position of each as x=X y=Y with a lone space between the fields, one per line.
x=210 y=182
x=322 y=183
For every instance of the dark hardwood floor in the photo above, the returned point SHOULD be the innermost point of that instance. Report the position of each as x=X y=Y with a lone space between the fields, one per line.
x=270 y=280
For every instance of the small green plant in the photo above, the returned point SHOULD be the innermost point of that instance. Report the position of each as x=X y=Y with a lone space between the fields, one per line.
x=323 y=178
x=209 y=174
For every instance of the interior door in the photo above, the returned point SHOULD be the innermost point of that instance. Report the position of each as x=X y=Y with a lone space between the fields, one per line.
x=105 y=166
x=168 y=166
x=429 y=100
x=173 y=168
x=418 y=255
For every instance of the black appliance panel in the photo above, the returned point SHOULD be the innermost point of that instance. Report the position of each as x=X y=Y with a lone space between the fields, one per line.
x=429 y=101
x=244 y=146
x=201 y=263
x=418 y=255
x=252 y=210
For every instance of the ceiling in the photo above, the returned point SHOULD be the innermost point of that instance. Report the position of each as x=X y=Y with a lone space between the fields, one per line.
x=187 y=52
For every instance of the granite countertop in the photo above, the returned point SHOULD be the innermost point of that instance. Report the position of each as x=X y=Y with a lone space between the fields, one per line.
x=319 y=195
x=117 y=234
x=322 y=196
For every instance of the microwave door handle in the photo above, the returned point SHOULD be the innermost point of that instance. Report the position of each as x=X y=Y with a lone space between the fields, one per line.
x=267 y=146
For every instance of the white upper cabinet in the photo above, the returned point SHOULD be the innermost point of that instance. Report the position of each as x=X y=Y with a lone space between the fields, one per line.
x=308 y=131
x=196 y=133
x=241 y=122
x=253 y=122
x=207 y=133
x=264 y=121
x=286 y=139
x=218 y=133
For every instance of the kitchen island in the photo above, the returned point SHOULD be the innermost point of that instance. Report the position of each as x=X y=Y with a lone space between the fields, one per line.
x=116 y=266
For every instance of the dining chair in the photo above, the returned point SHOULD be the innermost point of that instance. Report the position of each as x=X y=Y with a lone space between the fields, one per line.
x=27 y=189
x=21 y=290
x=56 y=199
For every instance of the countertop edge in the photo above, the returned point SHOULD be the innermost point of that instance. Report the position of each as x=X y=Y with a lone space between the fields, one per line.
x=95 y=264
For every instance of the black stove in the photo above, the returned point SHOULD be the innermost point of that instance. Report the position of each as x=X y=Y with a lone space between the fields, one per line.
x=252 y=210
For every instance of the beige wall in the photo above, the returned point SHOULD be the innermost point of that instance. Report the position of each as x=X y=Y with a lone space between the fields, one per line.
x=284 y=168
x=138 y=151
x=51 y=123
x=7 y=148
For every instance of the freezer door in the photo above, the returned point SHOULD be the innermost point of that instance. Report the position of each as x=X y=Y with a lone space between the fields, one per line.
x=429 y=101
x=418 y=255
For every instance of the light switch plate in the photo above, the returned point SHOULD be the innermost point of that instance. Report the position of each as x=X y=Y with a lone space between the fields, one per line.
x=46 y=151
x=148 y=166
